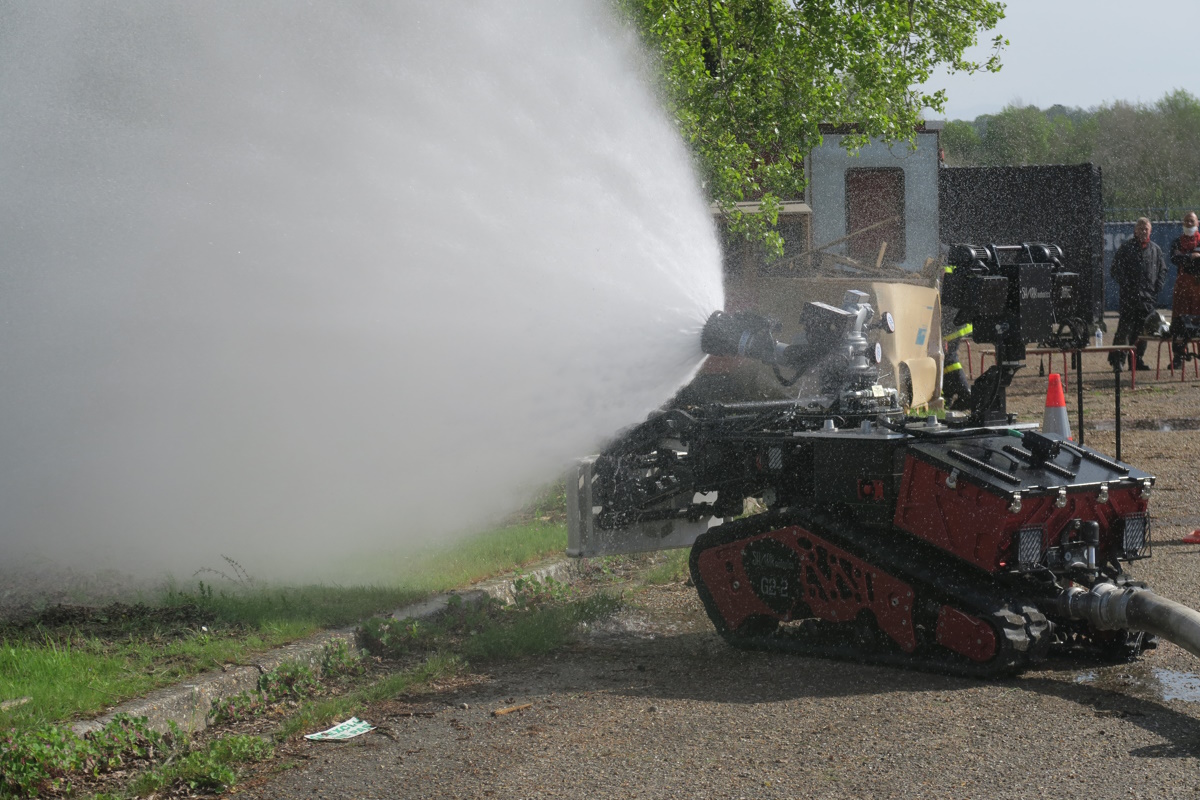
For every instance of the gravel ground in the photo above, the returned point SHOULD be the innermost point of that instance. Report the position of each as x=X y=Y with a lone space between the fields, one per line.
x=653 y=704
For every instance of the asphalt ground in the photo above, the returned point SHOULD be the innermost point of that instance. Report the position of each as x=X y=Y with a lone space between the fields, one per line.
x=654 y=704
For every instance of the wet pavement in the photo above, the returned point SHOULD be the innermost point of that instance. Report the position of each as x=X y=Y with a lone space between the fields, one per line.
x=1145 y=679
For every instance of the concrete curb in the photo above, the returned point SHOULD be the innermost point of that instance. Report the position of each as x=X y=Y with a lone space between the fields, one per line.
x=187 y=703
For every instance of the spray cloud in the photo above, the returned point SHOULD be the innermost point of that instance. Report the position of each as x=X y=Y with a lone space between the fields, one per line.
x=284 y=280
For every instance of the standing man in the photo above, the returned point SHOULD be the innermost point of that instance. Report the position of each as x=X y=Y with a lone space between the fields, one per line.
x=1185 y=255
x=1139 y=270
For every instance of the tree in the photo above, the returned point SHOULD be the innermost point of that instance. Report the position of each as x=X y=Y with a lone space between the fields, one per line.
x=1149 y=154
x=962 y=144
x=751 y=81
x=1021 y=135
x=1132 y=152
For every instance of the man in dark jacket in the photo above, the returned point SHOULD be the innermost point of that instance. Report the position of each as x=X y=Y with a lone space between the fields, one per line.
x=1140 y=271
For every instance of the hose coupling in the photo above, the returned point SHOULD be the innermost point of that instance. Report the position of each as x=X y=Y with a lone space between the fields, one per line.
x=1105 y=606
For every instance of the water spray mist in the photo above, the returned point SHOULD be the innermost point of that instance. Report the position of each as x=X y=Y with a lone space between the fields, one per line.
x=287 y=280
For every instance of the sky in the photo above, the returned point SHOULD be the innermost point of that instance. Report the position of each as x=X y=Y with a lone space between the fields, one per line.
x=1079 y=53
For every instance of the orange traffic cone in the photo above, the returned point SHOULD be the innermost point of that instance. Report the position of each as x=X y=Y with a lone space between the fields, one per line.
x=1192 y=538
x=1054 y=419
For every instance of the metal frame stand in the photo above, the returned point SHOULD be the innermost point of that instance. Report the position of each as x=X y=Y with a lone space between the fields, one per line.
x=1117 y=404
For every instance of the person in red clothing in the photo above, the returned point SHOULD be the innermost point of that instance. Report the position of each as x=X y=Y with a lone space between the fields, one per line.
x=1185 y=255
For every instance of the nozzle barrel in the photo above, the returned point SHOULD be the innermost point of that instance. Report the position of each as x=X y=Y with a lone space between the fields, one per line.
x=740 y=333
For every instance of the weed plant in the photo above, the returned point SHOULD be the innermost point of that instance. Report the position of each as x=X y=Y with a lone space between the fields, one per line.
x=211 y=769
x=531 y=592
x=537 y=631
x=51 y=759
x=289 y=682
x=338 y=660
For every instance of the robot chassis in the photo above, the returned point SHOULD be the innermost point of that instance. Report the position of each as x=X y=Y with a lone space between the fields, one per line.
x=970 y=545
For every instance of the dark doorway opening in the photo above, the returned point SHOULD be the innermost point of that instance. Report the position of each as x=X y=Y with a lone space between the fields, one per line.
x=875 y=206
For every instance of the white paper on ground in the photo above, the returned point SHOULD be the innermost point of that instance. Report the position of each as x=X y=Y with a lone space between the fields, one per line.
x=343 y=730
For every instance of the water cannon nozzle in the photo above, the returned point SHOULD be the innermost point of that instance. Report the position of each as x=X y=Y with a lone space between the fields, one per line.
x=740 y=333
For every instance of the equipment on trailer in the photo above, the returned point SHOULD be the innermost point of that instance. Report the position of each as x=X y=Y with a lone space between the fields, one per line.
x=1183 y=331
x=969 y=544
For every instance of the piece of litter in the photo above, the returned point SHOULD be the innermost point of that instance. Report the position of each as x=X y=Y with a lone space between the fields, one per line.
x=345 y=730
x=500 y=712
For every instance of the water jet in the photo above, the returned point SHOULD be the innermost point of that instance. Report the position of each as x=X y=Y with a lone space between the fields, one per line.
x=283 y=281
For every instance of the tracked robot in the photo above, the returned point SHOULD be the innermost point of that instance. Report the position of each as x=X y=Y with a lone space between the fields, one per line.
x=969 y=544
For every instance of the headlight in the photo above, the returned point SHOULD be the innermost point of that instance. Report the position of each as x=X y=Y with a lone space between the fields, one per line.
x=1029 y=546
x=1135 y=534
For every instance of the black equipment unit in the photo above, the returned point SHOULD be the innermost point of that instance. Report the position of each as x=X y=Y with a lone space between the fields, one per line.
x=1051 y=203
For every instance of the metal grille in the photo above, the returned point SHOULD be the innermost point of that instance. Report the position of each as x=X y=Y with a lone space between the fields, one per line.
x=1136 y=533
x=775 y=458
x=1029 y=545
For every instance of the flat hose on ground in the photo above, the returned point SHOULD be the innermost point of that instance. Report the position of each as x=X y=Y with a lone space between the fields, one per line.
x=1109 y=607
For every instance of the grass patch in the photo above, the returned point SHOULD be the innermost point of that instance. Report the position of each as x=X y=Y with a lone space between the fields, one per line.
x=65 y=676
x=293 y=610
x=437 y=569
x=543 y=618
x=81 y=676
x=51 y=760
x=672 y=569
x=77 y=662
x=537 y=632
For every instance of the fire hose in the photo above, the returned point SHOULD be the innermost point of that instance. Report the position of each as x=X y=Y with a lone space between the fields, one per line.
x=1110 y=607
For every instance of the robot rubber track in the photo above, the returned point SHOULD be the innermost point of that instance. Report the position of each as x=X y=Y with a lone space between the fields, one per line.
x=839 y=565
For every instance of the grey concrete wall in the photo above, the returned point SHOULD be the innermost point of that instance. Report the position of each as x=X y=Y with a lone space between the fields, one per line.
x=827 y=187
